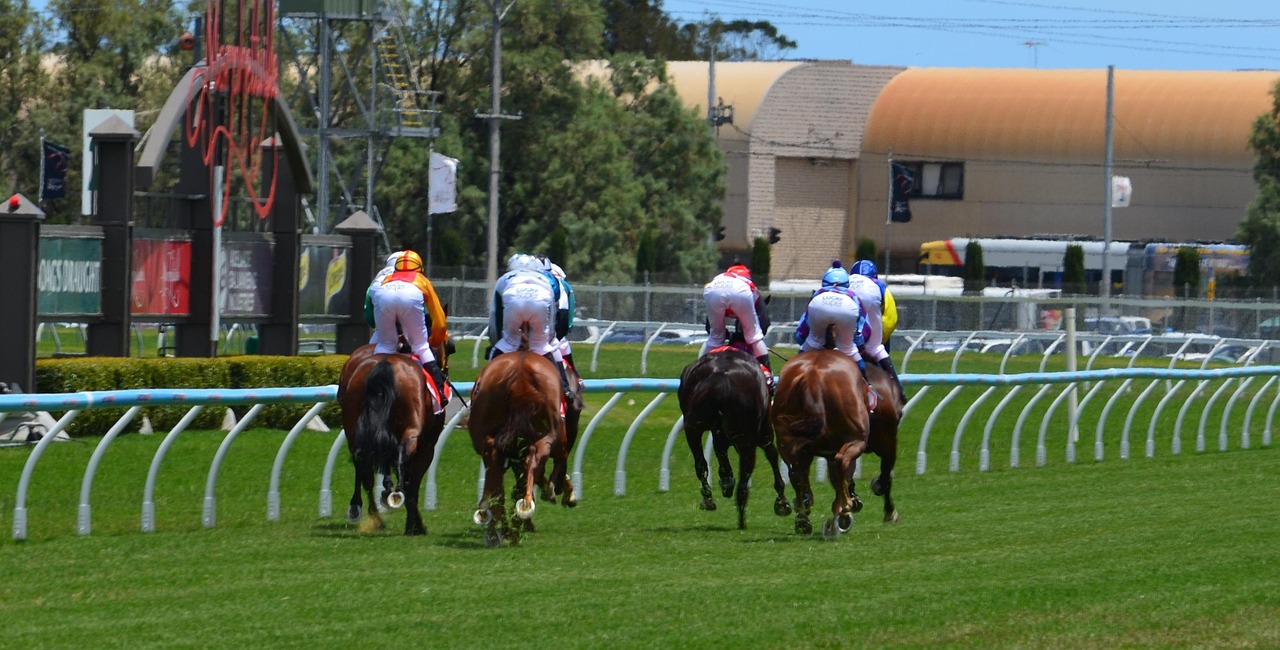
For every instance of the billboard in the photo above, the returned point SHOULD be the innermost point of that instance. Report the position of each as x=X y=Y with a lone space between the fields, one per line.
x=70 y=276
x=161 y=278
x=244 y=287
x=322 y=280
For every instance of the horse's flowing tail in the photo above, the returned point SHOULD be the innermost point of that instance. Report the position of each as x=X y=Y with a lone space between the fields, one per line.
x=805 y=413
x=373 y=439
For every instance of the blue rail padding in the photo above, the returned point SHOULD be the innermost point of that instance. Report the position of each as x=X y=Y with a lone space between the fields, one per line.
x=303 y=394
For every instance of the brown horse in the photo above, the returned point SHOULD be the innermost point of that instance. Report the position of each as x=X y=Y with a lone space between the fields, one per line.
x=516 y=421
x=883 y=440
x=390 y=427
x=724 y=392
x=821 y=411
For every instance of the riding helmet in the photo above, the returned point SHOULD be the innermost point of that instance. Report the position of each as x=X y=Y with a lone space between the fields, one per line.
x=865 y=267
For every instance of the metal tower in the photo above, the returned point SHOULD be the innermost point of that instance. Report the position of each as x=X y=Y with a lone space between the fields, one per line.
x=375 y=98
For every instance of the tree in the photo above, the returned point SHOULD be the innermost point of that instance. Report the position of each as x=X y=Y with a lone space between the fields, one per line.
x=866 y=249
x=761 y=261
x=1073 y=276
x=1186 y=272
x=21 y=82
x=975 y=271
x=1260 y=230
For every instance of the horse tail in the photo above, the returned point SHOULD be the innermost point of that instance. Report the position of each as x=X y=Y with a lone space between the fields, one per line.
x=373 y=438
x=804 y=413
x=524 y=409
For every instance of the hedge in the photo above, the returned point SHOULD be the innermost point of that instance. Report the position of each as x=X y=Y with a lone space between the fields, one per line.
x=74 y=375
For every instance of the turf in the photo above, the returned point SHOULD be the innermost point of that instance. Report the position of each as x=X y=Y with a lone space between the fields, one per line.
x=1171 y=551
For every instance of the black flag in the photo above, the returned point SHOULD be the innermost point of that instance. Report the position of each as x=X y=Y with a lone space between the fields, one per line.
x=53 y=174
x=902 y=181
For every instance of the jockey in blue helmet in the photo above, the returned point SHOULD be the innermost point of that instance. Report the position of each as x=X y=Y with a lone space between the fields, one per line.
x=835 y=277
x=835 y=308
x=867 y=268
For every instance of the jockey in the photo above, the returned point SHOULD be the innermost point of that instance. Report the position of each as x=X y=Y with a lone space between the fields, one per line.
x=833 y=305
x=875 y=298
x=528 y=295
x=368 y=294
x=566 y=307
x=406 y=298
x=732 y=293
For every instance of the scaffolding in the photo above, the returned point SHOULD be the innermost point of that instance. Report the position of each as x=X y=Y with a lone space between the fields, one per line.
x=323 y=38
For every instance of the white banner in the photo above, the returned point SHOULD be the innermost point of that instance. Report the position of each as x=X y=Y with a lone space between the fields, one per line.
x=1121 y=191
x=442 y=184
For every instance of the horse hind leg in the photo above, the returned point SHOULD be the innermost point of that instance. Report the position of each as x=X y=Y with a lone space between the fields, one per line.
x=700 y=467
x=720 y=443
x=781 y=506
x=746 y=465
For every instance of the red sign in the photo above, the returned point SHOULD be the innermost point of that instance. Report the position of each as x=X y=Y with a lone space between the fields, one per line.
x=161 y=277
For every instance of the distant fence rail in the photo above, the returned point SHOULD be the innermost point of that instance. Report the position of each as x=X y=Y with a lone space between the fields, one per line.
x=1231 y=387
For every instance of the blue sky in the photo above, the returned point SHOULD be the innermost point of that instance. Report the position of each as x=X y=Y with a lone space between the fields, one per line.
x=1132 y=34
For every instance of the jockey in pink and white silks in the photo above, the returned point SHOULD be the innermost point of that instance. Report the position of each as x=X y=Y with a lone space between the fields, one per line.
x=834 y=306
x=871 y=291
x=526 y=298
x=733 y=293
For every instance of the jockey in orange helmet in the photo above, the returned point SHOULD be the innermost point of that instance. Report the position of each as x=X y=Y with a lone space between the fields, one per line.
x=407 y=298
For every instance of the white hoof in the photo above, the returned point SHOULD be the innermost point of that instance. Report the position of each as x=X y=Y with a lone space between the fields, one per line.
x=524 y=508
x=395 y=500
x=482 y=517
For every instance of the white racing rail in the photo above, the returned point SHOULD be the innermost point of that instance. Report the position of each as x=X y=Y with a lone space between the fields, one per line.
x=1235 y=384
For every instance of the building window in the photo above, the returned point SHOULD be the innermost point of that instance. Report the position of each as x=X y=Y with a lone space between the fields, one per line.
x=938 y=180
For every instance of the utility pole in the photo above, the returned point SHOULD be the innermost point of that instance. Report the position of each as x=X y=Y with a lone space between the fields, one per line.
x=495 y=118
x=1106 y=196
x=1035 y=51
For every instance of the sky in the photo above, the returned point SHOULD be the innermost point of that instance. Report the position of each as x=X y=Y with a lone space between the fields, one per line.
x=1129 y=34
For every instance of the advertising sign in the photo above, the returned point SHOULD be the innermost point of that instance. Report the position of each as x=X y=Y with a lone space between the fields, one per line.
x=322 y=280
x=70 y=276
x=161 y=277
x=245 y=280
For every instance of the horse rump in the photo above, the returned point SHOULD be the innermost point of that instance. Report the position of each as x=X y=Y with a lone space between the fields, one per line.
x=373 y=439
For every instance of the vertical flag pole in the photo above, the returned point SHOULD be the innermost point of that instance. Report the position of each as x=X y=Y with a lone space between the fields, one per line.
x=215 y=322
x=888 y=214
x=1107 y=198
x=42 y=159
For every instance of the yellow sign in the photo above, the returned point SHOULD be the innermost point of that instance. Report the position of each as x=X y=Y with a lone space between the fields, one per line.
x=336 y=278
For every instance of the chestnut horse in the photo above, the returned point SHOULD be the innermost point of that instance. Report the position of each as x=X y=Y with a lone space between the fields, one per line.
x=724 y=392
x=516 y=421
x=821 y=411
x=883 y=440
x=390 y=428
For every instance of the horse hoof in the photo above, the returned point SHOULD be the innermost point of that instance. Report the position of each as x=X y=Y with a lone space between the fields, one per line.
x=524 y=508
x=353 y=514
x=856 y=504
x=891 y=517
x=726 y=487
x=707 y=504
x=782 y=507
x=492 y=538
x=395 y=500
x=482 y=517
x=830 y=530
x=876 y=488
x=804 y=527
x=844 y=523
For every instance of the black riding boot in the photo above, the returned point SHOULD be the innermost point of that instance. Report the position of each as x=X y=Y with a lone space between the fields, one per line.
x=437 y=376
x=768 y=371
x=887 y=364
x=570 y=395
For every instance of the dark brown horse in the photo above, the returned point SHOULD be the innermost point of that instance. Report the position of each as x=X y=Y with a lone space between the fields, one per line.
x=724 y=392
x=883 y=440
x=821 y=411
x=390 y=428
x=516 y=421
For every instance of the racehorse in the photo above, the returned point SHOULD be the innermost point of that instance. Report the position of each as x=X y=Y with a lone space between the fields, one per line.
x=883 y=440
x=516 y=421
x=821 y=411
x=390 y=427
x=724 y=392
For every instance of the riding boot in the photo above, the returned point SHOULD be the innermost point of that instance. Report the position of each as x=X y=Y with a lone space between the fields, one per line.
x=571 y=396
x=437 y=376
x=887 y=364
x=768 y=371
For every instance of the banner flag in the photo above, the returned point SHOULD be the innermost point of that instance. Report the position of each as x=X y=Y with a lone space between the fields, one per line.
x=902 y=181
x=53 y=171
x=442 y=184
x=1121 y=191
